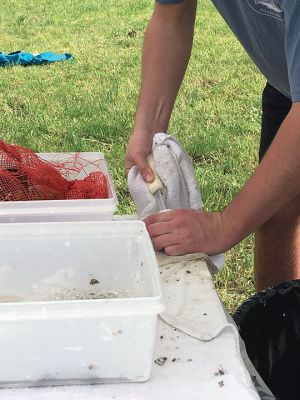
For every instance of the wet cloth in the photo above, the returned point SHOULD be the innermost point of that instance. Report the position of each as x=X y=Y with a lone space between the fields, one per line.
x=25 y=58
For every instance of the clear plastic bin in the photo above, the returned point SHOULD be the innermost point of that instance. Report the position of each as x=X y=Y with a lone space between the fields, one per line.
x=66 y=210
x=78 y=303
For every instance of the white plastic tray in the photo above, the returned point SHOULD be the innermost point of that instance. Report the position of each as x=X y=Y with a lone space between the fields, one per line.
x=66 y=210
x=192 y=369
x=47 y=341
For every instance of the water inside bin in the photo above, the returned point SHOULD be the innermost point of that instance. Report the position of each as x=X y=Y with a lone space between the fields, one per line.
x=65 y=294
x=75 y=261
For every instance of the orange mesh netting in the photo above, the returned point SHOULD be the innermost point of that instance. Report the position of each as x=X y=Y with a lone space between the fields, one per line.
x=25 y=176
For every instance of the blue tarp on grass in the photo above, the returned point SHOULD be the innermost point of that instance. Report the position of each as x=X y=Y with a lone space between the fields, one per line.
x=24 y=58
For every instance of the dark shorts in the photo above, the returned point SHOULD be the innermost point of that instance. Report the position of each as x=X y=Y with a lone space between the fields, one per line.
x=275 y=107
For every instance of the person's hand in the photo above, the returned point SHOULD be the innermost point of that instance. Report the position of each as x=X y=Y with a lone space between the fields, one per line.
x=184 y=231
x=138 y=149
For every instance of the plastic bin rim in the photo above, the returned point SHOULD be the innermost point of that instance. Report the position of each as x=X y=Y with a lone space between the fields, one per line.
x=45 y=224
x=68 y=309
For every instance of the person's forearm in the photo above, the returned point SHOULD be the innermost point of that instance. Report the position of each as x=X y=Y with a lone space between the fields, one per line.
x=275 y=182
x=166 y=52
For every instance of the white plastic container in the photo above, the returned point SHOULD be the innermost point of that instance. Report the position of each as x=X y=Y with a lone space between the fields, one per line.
x=48 y=341
x=66 y=210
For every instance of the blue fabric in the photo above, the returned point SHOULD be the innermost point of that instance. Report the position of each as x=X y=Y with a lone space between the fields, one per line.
x=24 y=58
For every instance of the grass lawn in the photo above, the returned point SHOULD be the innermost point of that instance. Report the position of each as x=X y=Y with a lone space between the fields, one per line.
x=88 y=104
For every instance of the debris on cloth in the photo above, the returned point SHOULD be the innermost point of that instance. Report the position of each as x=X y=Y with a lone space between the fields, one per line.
x=187 y=285
x=214 y=263
x=25 y=176
x=161 y=361
x=26 y=58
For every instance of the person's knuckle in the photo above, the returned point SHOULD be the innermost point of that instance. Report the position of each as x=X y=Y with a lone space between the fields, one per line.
x=189 y=235
x=149 y=220
x=152 y=230
x=184 y=217
x=156 y=244
x=179 y=220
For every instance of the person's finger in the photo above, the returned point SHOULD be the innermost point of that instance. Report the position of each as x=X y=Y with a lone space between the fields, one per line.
x=129 y=163
x=145 y=170
x=159 y=228
x=174 y=250
x=159 y=217
x=147 y=173
x=128 y=166
x=164 y=241
x=141 y=163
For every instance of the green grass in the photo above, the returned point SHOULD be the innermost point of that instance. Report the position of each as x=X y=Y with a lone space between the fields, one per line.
x=89 y=104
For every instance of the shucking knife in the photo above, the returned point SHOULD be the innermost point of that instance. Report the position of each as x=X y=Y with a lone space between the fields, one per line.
x=156 y=186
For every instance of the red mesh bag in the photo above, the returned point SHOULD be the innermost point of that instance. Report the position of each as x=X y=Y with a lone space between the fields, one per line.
x=95 y=182
x=25 y=176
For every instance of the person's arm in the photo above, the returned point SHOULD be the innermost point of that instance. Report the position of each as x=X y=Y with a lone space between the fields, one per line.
x=167 y=47
x=275 y=182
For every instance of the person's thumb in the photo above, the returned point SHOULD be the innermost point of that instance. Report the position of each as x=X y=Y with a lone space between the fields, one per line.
x=145 y=170
x=140 y=160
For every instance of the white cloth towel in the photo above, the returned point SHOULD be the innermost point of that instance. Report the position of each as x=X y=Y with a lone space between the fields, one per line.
x=180 y=188
x=175 y=170
x=187 y=285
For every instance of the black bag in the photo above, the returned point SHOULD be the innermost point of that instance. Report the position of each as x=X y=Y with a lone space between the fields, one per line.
x=269 y=324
